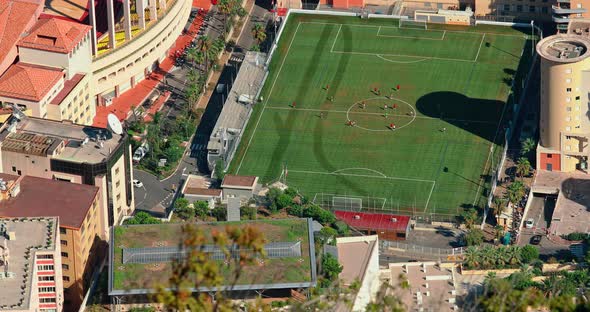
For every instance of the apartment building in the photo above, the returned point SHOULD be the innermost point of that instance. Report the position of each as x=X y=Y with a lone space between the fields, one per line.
x=77 y=206
x=52 y=77
x=30 y=265
x=565 y=89
x=74 y=153
x=515 y=10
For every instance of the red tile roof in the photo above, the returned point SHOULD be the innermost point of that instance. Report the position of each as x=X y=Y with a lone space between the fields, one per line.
x=235 y=180
x=28 y=82
x=14 y=17
x=373 y=221
x=54 y=35
x=40 y=197
x=69 y=85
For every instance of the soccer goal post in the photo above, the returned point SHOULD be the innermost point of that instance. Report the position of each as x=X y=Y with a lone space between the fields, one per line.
x=412 y=23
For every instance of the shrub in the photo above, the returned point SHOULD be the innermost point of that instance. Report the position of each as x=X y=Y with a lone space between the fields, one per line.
x=317 y=213
x=219 y=213
x=142 y=217
x=529 y=254
x=341 y=227
x=248 y=213
x=295 y=210
x=201 y=208
x=284 y=201
x=576 y=236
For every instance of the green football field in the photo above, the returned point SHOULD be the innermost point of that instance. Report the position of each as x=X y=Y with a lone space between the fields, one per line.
x=329 y=72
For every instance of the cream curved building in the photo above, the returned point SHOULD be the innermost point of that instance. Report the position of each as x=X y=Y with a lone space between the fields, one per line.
x=126 y=64
x=565 y=90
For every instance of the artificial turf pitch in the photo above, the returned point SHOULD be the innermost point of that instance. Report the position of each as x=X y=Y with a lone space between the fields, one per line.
x=454 y=82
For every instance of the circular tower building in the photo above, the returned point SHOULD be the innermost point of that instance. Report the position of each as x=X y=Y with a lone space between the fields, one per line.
x=565 y=86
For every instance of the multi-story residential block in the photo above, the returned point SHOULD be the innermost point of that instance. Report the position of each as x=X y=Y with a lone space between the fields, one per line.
x=565 y=85
x=74 y=153
x=30 y=265
x=81 y=222
x=52 y=77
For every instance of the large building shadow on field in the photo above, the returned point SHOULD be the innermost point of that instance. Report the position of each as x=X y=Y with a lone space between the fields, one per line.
x=312 y=68
x=477 y=116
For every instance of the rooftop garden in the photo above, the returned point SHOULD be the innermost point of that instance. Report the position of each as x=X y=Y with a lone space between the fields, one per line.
x=149 y=276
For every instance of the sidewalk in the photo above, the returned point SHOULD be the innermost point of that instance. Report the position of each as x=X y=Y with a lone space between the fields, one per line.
x=121 y=105
x=225 y=56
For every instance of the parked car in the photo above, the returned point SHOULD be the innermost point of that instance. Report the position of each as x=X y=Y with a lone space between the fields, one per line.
x=529 y=223
x=137 y=183
x=535 y=240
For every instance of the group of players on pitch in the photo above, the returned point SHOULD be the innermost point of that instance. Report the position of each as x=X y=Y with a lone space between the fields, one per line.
x=363 y=105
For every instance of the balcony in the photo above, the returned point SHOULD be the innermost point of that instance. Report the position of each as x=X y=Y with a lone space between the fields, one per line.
x=560 y=19
x=566 y=9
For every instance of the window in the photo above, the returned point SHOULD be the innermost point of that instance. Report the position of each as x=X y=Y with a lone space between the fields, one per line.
x=568 y=90
x=118 y=196
x=577 y=98
x=532 y=8
x=46 y=300
x=117 y=170
x=568 y=80
x=64 y=254
x=519 y=8
x=568 y=109
x=62 y=230
x=45 y=257
x=568 y=128
x=549 y=155
x=568 y=71
x=66 y=278
x=507 y=7
x=118 y=183
x=45 y=267
x=13 y=169
x=46 y=289
x=568 y=118
x=65 y=266
x=46 y=278
x=568 y=99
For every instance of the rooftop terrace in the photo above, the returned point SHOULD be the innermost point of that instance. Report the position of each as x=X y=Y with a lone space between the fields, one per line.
x=142 y=255
x=32 y=235
x=37 y=136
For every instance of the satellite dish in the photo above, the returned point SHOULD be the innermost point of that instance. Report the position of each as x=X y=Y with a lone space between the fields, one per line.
x=114 y=124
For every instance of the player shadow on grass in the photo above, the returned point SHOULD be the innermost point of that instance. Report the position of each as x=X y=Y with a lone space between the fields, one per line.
x=477 y=116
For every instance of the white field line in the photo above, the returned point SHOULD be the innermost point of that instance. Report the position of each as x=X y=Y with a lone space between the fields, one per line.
x=479 y=49
x=336 y=38
x=429 y=196
x=409 y=37
x=444 y=33
x=268 y=97
x=376 y=177
x=379 y=114
x=401 y=62
x=405 y=55
x=361 y=175
x=450 y=31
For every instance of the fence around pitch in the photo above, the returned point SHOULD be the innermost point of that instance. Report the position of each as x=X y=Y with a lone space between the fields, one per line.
x=414 y=250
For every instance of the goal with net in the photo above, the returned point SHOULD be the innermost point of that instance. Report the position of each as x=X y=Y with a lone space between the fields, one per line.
x=412 y=23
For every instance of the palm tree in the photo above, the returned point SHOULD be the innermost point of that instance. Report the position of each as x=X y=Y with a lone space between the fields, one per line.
x=523 y=167
x=513 y=254
x=499 y=205
x=193 y=55
x=488 y=257
x=471 y=257
x=259 y=33
x=501 y=257
x=528 y=145
x=515 y=191
x=203 y=45
x=225 y=7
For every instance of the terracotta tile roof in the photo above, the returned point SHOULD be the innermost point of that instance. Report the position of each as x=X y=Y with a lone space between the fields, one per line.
x=373 y=221
x=14 y=17
x=40 y=197
x=54 y=35
x=28 y=82
x=241 y=181
x=202 y=191
x=69 y=85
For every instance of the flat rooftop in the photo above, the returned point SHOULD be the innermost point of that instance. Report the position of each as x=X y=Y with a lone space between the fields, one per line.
x=42 y=136
x=40 y=197
x=430 y=286
x=141 y=256
x=572 y=208
x=235 y=114
x=354 y=257
x=70 y=9
x=564 y=48
x=28 y=234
